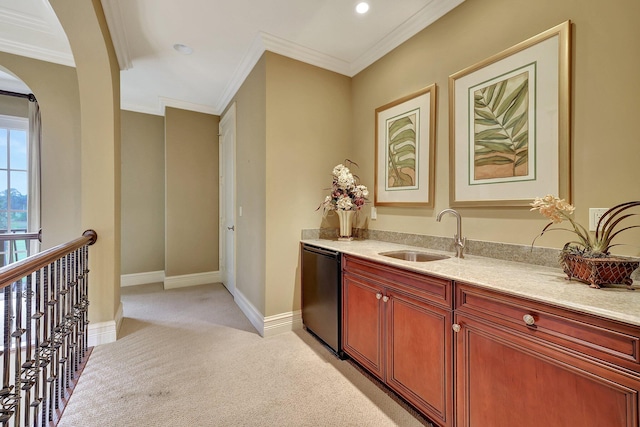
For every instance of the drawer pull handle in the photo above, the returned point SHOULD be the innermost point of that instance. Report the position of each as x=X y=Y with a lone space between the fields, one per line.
x=378 y=295
x=529 y=320
x=455 y=327
x=385 y=298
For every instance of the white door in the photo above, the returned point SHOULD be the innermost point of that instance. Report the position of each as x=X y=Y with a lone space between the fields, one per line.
x=227 y=199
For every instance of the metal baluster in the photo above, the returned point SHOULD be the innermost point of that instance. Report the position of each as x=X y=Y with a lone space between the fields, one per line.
x=50 y=319
x=44 y=349
x=55 y=334
x=27 y=366
x=84 y=270
x=74 y=307
x=37 y=317
x=17 y=336
x=5 y=393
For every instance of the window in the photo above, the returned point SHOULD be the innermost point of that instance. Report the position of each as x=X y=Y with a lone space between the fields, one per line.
x=14 y=183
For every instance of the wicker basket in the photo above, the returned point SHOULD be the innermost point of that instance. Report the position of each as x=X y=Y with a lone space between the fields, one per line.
x=599 y=271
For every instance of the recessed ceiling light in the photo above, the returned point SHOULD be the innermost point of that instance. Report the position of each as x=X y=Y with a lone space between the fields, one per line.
x=183 y=48
x=362 y=7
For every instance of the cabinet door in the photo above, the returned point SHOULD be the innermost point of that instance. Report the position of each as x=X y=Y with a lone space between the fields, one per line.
x=362 y=323
x=505 y=379
x=419 y=355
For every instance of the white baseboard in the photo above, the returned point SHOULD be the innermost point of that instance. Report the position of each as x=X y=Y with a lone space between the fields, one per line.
x=283 y=322
x=271 y=325
x=141 y=278
x=105 y=332
x=249 y=310
x=173 y=282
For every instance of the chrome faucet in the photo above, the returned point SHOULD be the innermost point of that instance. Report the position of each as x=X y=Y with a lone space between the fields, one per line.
x=459 y=241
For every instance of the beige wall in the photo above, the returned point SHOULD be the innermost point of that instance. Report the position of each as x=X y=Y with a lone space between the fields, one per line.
x=606 y=150
x=308 y=132
x=191 y=198
x=142 y=193
x=56 y=88
x=98 y=83
x=250 y=185
x=14 y=106
x=293 y=126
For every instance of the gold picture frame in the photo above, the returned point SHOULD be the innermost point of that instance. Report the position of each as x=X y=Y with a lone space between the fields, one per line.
x=509 y=124
x=405 y=150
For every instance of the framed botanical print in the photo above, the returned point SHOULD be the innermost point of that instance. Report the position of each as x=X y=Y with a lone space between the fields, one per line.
x=509 y=124
x=405 y=148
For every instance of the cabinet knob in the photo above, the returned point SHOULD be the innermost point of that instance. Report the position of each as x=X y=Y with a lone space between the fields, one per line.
x=529 y=320
x=455 y=327
x=378 y=295
x=385 y=298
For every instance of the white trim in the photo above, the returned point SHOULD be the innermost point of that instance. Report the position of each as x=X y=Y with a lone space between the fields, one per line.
x=141 y=109
x=173 y=282
x=113 y=15
x=105 y=332
x=135 y=279
x=183 y=105
x=295 y=51
x=249 y=61
x=249 y=310
x=35 y=52
x=271 y=325
x=433 y=11
x=283 y=322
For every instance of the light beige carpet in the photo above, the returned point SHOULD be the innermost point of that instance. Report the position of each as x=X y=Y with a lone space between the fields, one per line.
x=189 y=357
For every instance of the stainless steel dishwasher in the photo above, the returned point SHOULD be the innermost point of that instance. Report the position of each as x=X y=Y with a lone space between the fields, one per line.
x=322 y=296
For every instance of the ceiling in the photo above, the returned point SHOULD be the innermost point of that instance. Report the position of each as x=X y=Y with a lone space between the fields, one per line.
x=227 y=38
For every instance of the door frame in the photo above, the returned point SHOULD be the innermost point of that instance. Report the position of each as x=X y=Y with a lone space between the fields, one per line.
x=227 y=124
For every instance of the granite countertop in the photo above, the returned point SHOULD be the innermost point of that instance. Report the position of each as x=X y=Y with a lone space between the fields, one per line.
x=544 y=284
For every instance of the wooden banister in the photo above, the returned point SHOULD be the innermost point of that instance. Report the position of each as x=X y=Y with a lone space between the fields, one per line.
x=17 y=270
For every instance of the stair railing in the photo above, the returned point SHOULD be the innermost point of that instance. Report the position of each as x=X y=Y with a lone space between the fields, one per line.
x=44 y=303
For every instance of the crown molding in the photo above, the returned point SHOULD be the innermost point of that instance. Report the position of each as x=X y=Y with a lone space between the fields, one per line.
x=267 y=42
x=28 y=22
x=433 y=11
x=141 y=109
x=183 y=105
x=295 y=51
x=36 y=52
x=263 y=42
x=249 y=61
x=113 y=15
x=163 y=103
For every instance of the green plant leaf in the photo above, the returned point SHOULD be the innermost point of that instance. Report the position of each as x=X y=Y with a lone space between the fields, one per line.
x=522 y=158
x=509 y=99
x=399 y=124
x=501 y=87
x=497 y=147
x=517 y=102
x=493 y=160
x=492 y=134
x=404 y=136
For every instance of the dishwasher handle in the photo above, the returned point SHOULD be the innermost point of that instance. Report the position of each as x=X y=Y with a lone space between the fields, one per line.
x=321 y=251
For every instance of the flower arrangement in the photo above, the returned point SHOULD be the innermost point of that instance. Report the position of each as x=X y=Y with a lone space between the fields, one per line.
x=596 y=245
x=346 y=193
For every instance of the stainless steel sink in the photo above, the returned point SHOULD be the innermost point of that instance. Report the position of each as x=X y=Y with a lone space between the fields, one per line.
x=415 y=256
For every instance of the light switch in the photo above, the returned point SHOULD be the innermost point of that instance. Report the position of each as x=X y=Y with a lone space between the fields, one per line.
x=374 y=212
x=239 y=210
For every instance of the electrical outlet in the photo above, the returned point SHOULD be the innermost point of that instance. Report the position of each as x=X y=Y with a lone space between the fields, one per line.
x=594 y=216
x=374 y=213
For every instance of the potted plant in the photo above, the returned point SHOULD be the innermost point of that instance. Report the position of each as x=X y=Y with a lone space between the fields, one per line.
x=347 y=197
x=588 y=258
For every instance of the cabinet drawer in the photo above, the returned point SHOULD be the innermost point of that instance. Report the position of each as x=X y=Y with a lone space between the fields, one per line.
x=607 y=340
x=429 y=288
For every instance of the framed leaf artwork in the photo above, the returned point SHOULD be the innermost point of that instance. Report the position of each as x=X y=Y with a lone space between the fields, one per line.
x=509 y=124
x=405 y=148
